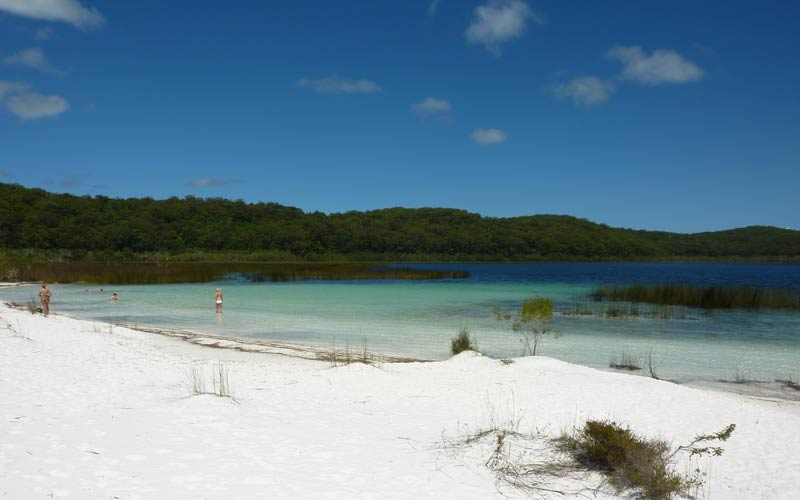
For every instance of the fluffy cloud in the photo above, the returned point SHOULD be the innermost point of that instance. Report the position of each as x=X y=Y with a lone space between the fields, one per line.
x=68 y=11
x=499 y=21
x=431 y=106
x=7 y=88
x=337 y=85
x=433 y=6
x=33 y=58
x=18 y=99
x=30 y=105
x=662 y=66
x=585 y=90
x=489 y=136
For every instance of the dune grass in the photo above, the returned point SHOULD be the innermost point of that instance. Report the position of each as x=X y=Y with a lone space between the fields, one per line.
x=704 y=297
x=463 y=342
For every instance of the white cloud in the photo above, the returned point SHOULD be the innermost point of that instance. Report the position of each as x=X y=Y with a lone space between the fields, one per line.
x=585 y=90
x=337 y=85
x=68 y=11
x=431 y=106
x=499 y=21
x=433 y=6
x=207 y=182
x=7 y=88
x=489 y=136
x=33 y=58
x=662 y=66
x=18 y=99
x=30 y=105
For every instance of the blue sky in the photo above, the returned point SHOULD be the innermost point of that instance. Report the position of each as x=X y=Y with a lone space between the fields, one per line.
x=679 y=115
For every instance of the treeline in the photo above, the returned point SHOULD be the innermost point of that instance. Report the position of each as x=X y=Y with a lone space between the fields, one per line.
x=86 y=226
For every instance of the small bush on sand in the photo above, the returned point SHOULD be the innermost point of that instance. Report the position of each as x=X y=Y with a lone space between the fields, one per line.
x=631 y=462
x=463 y=342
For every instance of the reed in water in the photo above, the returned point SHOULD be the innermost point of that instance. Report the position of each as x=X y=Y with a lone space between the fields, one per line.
x=705 y=297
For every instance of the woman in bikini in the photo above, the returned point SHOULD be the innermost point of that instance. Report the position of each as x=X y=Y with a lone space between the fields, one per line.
x=218 y=300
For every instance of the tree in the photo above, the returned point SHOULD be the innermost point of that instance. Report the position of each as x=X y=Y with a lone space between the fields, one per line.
x=530 y=321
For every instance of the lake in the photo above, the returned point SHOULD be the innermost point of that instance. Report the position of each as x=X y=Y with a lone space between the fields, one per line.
x=418 y=318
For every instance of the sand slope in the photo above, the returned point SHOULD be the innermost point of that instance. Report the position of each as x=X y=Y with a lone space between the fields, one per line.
x=88 y=411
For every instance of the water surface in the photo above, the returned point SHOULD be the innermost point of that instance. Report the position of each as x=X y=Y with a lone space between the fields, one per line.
x=418 y=318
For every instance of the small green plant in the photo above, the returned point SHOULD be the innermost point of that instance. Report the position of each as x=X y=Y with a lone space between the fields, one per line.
x=530 y=321
x=632 y=462
x=463 y=341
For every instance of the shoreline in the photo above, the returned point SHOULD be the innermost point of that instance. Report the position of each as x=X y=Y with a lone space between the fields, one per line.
x=93 y=410
x=763 y=390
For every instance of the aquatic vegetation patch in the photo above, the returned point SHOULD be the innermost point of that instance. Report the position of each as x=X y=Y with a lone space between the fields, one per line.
x=704 y=297
x=626 y=361
x=530 y=321
x=140 y=273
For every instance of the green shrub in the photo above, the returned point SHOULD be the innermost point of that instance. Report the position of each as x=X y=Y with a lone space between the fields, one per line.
x=633 y=462
x=530 y=321
x=462 y=342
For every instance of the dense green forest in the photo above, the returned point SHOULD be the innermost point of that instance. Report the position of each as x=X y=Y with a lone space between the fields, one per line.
x=34 y=221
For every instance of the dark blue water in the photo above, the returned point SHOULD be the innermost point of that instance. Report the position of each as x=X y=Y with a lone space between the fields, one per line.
x=763 y=275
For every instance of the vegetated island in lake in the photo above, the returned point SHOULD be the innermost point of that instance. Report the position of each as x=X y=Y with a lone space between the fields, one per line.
x=39 y=226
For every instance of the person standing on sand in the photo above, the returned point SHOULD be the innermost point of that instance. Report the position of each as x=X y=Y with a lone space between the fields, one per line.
x=218 y=300
x=44 y=298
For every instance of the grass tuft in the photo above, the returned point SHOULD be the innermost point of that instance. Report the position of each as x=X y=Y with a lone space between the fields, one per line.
x=463 y=341
x=626 y=361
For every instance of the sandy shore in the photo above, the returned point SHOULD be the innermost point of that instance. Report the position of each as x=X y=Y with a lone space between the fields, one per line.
x=92 y=411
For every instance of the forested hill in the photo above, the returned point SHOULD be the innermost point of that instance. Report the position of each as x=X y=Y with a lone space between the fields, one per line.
x=96 y=226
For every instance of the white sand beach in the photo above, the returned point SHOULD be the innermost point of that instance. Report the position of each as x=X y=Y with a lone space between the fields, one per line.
x=91 y=411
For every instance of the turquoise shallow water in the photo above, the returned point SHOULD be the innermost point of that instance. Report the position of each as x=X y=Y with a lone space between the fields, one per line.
x=419 y=318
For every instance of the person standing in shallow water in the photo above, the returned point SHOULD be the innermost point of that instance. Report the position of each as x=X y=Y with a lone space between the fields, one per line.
x=218 y=300
x=44 y=298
